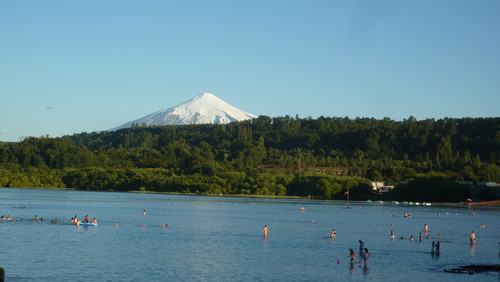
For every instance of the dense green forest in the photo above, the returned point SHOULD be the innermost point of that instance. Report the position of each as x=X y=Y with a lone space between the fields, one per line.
x=284 y=156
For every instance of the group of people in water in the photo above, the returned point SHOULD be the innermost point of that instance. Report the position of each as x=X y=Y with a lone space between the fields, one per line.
x=365 y=254
x=411 y=238
x=472 y=237
x=74 y=220
x=86 y=219
x=9 y=218
x=435 y=248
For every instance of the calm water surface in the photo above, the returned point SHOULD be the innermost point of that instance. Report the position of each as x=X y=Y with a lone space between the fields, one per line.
x=219 y=239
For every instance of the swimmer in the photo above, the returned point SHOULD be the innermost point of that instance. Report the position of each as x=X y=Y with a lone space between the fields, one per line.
x=302 y=208
x=361 y=247
x=333 y=234
x=411 y=238
x=483 y=226
x=472 y=238
x=54 y=221
x=3 y=217
x=420 y=236
x=9 y=218
x=392 y=234
x=86 y=219
x=94 y=220
x=426 y=228
x=265 y=231
x=433 y=247
x=439 y=236
x=144 y=212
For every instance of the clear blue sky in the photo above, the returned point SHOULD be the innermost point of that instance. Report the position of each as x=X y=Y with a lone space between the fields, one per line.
x=100 y=64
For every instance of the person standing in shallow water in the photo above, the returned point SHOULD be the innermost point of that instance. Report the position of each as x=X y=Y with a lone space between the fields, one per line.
x=265 y=231
x=366 y=255
x=333 y=234
x=361 y=247
x=472 y=238
x=352 y=255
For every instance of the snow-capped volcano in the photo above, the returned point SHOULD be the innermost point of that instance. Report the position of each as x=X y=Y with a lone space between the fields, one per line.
x=202 y=109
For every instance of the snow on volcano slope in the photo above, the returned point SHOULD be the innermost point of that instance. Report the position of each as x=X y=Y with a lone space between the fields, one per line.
x=202 y=109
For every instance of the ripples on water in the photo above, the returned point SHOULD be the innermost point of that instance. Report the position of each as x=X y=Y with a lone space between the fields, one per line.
x=219 y=239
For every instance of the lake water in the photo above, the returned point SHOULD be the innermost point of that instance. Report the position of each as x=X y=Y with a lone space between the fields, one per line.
x=219 y=239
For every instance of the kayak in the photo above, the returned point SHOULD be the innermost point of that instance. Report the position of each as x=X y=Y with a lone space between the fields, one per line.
x=88 y=224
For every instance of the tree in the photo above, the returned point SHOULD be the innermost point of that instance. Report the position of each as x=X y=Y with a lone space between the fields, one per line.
x=445 y=151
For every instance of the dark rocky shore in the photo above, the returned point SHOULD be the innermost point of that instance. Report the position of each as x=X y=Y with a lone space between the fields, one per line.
x=475 y=268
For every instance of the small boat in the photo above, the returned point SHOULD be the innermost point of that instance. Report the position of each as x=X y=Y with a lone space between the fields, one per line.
x=88 y=224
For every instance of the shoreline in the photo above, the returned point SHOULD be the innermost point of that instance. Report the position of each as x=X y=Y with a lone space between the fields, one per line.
x=483 y=204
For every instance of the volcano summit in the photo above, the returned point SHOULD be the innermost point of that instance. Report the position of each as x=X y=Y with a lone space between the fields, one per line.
x=205 y=108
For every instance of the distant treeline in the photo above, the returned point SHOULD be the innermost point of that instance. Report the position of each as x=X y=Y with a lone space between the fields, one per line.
x=320 y=158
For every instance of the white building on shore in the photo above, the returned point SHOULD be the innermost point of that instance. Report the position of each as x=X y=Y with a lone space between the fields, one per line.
x=378 y=186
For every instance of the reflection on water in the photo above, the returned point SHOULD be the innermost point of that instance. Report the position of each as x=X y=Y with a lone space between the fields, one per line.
x=216 y=238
